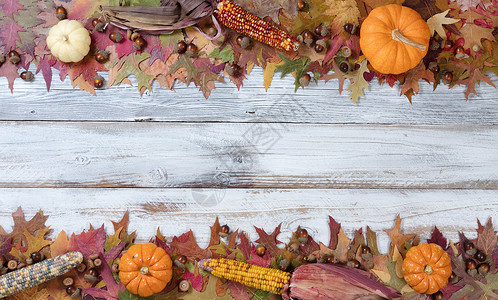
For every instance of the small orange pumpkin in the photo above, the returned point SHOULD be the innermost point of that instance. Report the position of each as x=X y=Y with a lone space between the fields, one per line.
x=145 y=269
x=426 y=268
x=394 y=38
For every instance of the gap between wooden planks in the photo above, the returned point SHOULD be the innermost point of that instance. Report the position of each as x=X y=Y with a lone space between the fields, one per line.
x=176 y=211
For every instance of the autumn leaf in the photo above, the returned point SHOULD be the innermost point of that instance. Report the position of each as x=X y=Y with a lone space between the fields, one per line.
x=372 y=241
x=185 y=62
x=487 y=239
x=376 y=3
x=186 y=245
x=341 y=250
x=225 y=54
x=473 y=35
x=270 y=8
x=437 y=21
x=306 y=19
x=359 y=83
x=9 y=71
x=343 y=12
x=208 y=293
x=398 y=239
x=268 y=73
x=270 y=241
x=490 y=288
x=438 y=238
x=238 y=291
x=34 y=293
x=391 y=273
x=293 y=65
x=21 y=225
x=413 y=76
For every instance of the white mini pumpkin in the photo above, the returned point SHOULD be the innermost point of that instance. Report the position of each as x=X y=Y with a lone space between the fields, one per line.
x=69 y=41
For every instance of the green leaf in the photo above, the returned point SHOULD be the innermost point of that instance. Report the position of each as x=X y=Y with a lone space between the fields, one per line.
x=293 y=65
x=261 y=295
x=172 y=38
x=192 y=71
x=129 y=68
x=226 y=55
x=490 y=286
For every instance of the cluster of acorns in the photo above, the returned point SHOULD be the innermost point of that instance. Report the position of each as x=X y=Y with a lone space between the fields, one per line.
x=7 y=266
x=14 y=58
x=90 y=272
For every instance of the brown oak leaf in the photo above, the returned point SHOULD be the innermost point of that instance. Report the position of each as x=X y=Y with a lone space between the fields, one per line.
x=398 y=239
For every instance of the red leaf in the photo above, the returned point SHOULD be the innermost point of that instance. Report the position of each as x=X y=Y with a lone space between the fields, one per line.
x=335 y=228
x=45 y=65
x=195 y=281
x=269 y=240
x=88 y=68
x=335 y=45
x=263 y=261
x=354 y=44
x=8 y=34
x=162 y=244
x=186 y=245
x=5 y=244
x=88 y=242
x=438 y=238
x=9 y=71
x=101 y=40
x=215 y=233
x=487 y=239
x=244 y=246
x=9 y=7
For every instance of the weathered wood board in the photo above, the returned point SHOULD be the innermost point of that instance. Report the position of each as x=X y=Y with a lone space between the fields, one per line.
x=249 y=157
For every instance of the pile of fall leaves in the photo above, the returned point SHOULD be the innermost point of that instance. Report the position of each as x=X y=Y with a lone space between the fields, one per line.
x=469 y=24
x=28 y=236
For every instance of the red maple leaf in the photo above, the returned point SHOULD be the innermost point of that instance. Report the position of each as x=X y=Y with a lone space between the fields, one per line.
x=88 y=242
x=438 y=238
x=9 y=71
x=263 y=261
x=45 y=65
x=244 y=246
x=8 y=34
x=186 y=245
x=9 y=7
x=88 y=68
x=270 y=240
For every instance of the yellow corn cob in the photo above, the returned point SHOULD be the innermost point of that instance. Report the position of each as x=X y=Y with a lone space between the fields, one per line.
x=38 y=273
x=235 y=17
x=267 y=279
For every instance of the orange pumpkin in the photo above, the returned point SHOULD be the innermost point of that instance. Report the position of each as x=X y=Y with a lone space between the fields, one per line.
x=394 y=38
x=145 y=269
x=426 y=268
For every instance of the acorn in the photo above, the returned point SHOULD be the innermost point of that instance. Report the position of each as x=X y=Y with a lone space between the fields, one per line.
x=2 y=59
x=447 y=78
x=438 y=296
x=329 y=259
x=483 y=269
x=37 y=256
x=260 y=250
x=134 y=35
x=468 y=246
x=102 y=56
x=100 y=27
x=308 y=37
x=434 y=67
x=305 y=80
x=354 y=263
x=181 y=47
x=320 y=46
x=345 y=66
x=191 y=50
x=302 y=5
x=224 y=231
x=60 y=13
x=434 y=45
x=29 y=261
x=346 y=51
x=184 y=286
x=283 y=264
x=243 y=41
x=302 y=234
x=96 y=21
x=447 y=45
x=14 y=57
x=98 y=82
x=27 y=75
x=116 y=37
x=12 y=265
x=321 y=30
x=232 y=69
x=139 y=43
x=91 y=275
x=350 y=28
x=68 y=281
x=73 y=292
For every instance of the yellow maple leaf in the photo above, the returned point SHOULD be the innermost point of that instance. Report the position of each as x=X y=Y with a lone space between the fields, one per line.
x=343 y=11
x=268 y=72
x=437 y=21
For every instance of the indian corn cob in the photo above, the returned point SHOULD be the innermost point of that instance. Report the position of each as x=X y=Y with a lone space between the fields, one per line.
x=267 y=279
x=38 y=273
x=235 y=17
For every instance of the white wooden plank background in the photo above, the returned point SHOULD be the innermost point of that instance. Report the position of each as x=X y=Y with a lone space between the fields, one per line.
x=84 y=159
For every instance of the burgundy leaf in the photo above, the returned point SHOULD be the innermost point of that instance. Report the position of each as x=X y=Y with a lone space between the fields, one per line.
x=244 y=246
x=195 y=281
x=335 y=228
x=9 y=34
x=438 y=238
x=45 y=65
x=10 y=7
x=9 y=71
x=335 y=45
x=5 y=244
x=263 y=261
x=114 y=252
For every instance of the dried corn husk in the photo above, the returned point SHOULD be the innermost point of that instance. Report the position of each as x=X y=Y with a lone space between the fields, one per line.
x=170 y=16
x=330 y=281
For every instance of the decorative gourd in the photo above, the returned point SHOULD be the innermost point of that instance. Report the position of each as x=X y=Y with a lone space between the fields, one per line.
x=145 y=269
x=394 y=38
x=69 y=41
x=426 y=268
x=38 y=273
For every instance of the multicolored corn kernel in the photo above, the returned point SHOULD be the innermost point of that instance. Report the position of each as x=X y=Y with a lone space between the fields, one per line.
x=267 y=279
x=235 y=17
x=38 y=273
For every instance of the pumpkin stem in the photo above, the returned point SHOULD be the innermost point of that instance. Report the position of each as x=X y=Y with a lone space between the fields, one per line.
x=64 y=38
x=144 y=270
x=397 y=35
x=428 y=270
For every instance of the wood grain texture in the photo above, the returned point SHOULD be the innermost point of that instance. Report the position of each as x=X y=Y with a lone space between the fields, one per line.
x=241 y=155
x=175 y=211
x=316 y=104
